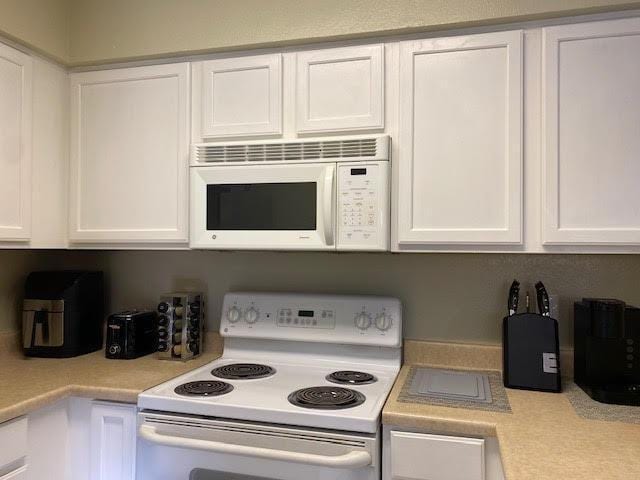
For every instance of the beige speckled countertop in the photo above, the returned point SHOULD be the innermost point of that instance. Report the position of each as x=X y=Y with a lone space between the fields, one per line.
x=27 y=384
x=543 y=437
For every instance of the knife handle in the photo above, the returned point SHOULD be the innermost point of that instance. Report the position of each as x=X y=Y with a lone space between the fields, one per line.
x=543 y=299
x=514 y=295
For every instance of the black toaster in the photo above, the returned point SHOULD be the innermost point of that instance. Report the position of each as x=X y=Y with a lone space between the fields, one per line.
x=131 y=334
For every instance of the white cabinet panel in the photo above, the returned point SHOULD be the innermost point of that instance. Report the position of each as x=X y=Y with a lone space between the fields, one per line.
x=242 y=96
x=17 y=474
x=591 y=130
x=419 y=456
x=50 y=157
x=130 y=155
x=15 y=144
x=340 y=89
x=13 y=442
x=113 y=441
x=460 y=140
x=47 y=443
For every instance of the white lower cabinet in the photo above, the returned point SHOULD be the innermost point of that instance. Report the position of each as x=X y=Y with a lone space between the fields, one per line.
x=73 y=439
x=113 y=441
x=19 y=473
x=13 y=449
x=411 y=455
x=47 y=443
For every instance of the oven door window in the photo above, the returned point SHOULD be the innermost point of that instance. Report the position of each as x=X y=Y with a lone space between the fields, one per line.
x=262 y=206
x=202 y=474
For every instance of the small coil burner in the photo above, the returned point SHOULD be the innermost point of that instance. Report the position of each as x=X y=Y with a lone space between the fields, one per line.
x=326 y=398
x=203 y=389
x=350 y=377
x=243 y=371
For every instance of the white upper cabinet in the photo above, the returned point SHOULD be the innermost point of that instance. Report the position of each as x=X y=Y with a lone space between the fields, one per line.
x=129 y=155
x=460 y=178
x=242 y=96
x=591 y=130
x=15 y=144
x=340 y=89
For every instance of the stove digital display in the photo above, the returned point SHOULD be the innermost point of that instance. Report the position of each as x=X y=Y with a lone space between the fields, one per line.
x=305 y=313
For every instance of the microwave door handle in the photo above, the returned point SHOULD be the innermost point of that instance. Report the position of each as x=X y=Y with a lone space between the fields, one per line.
x=328 y=201
x=351 y=460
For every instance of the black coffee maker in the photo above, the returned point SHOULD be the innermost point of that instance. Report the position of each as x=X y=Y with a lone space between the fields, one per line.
x=607 y=350
x=63 y=313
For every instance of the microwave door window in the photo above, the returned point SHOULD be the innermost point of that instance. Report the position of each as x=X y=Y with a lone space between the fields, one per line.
x=262 y=206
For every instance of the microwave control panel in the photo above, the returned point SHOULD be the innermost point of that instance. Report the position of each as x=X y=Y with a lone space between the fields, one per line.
x=363 y=206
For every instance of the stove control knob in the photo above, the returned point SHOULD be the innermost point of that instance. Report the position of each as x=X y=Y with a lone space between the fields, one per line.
x=251 y=315
x=363 y=320
x=383 y=322
x=233 y=314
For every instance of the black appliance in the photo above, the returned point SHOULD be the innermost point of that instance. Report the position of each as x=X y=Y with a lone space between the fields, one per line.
x=606 y=355
x=131 y=334
x=63 y=313
x=530 y=346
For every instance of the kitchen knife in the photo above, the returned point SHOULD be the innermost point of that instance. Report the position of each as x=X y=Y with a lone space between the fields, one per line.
x=514 y=295
x=543 y=300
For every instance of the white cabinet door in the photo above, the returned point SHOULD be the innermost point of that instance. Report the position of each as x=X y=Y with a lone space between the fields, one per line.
x=19 y=473
x=113 y=441
x=420 y=456
x=460 y=141
x=13 y=444
x=130 y=155
x=242 y=96
x=340 y=89
x=15 y=144
x=591 y=130
x=47 y=451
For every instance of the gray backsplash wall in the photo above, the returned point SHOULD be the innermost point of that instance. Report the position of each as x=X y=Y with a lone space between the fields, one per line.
x=448 y=297
x=15 y=265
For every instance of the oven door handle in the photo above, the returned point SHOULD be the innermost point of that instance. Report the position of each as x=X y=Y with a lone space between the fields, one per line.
x=328 y=199
x=351 y=460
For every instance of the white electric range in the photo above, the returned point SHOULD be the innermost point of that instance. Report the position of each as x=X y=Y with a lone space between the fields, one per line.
x=297 y=393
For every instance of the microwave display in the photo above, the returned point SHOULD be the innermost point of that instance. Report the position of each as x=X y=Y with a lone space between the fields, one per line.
x=262 y=206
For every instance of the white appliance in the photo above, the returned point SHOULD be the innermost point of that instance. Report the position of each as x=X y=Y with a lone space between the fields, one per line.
x=297 y=393
x=312 y=194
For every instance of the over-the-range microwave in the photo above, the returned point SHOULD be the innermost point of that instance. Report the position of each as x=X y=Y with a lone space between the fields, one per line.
x=311 y=194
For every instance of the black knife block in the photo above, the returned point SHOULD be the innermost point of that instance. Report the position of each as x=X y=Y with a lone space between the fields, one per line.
x=530 y=352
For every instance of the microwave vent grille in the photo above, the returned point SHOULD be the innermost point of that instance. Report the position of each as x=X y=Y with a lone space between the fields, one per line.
x=371 y=148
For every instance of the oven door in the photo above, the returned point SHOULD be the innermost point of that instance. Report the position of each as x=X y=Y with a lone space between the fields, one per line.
x=262 y=207
x=174 y=447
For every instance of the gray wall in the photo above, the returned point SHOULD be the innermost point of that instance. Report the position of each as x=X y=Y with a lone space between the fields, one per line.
x=94 y=31
x=449 y=297
x=14 y=267
x=102 y=30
